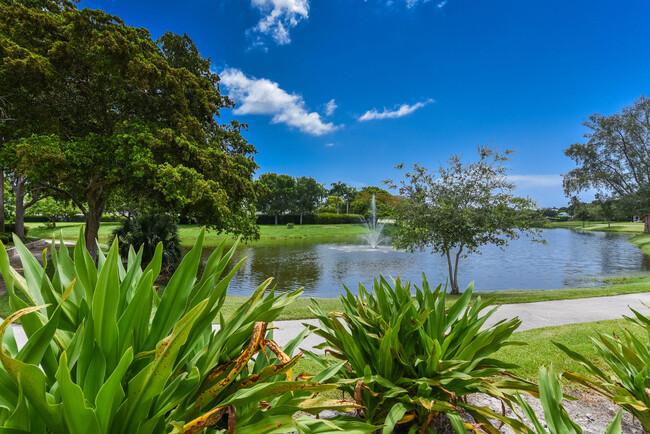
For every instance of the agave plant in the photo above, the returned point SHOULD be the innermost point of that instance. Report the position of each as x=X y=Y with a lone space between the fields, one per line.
x=106 y=354
x=557 y=419
x=625 y=376
x=410 y=360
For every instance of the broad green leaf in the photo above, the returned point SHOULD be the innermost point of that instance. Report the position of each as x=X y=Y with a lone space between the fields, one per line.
x=79 y=419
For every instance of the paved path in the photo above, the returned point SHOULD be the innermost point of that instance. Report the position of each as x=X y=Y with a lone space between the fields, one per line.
x=36 y=248
x=533 y=315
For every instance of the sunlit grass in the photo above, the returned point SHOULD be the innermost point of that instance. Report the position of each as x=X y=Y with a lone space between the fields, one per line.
x=189 y=233
x=540 y=351
x=622 y=227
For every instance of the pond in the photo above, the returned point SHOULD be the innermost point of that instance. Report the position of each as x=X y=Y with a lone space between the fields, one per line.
x=571 y=259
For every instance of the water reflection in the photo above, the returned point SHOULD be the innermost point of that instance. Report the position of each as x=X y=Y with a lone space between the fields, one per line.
x=571 y=259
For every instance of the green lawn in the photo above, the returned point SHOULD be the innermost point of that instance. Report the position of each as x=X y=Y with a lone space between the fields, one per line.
x=621 y=285
x=540 y=351
x=188 y=233
x=622 y=227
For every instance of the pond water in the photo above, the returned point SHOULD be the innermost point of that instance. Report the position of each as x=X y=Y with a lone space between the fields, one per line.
x=571 y=259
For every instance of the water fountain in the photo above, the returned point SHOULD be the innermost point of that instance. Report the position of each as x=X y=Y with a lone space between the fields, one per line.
x=373 y=228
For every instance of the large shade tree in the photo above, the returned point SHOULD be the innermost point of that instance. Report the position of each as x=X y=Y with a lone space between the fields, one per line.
x=615 y=159
x=277 y=194
x=460 y=207
x=308 y=195
x=123 y=112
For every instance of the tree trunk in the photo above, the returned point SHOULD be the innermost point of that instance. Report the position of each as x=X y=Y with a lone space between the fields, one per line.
x=337 y=207
x=347 y=207
x=452 y=281
x=300 y=217
x=19 y=224
x=96 y=203
x=646 y=221
x=276 y=218
x=2 y=199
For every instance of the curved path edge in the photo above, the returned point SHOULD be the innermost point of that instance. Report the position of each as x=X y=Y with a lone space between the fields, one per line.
x=533 y=315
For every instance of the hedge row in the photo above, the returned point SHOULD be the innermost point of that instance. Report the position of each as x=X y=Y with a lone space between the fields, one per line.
x=311 y=219
x=73 y=219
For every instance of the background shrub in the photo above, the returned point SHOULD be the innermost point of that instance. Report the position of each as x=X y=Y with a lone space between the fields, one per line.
x=311 y=219
x=146 y=231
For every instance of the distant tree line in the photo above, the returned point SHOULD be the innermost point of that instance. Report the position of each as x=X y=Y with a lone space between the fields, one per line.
x=602 y=208
x=279 y=195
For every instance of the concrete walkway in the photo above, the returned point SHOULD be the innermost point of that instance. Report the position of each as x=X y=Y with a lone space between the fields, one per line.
x=36 y=248
x=533 y=315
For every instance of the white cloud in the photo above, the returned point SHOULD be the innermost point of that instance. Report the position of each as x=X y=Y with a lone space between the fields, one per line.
x=330 y=145
x=330 y=107
x=278 y=18
x=259 y=96
x=402 y=110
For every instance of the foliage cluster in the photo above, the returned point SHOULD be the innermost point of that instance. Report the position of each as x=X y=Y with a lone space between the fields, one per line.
x=107 y=354
x=324 y=218
x=100 y=108
x=461 y=207
x=412 y=358
x=411 y=361
x=282 y=195
x=144 y=233
x=626 y=377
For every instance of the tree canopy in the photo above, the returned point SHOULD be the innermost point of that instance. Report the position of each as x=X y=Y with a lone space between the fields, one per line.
x=308 y=195
x=277 y=195
x=461 y=207
x=615 y=158
x=100 y=105
x=384 y=200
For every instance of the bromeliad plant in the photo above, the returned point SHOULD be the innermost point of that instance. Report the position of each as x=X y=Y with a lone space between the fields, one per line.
x=106 y=354
x=625 y=374
x=556 y=417
x=410 y=360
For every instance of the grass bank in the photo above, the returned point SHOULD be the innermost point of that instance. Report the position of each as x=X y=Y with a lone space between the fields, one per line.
x=188 y=233
x=639 y=239
x=619 y=286
x=540 y=351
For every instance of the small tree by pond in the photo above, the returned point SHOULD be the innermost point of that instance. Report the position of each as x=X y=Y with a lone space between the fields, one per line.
x=461 y=207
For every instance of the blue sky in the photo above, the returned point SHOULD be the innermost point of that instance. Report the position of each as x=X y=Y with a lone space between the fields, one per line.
x=347 y=89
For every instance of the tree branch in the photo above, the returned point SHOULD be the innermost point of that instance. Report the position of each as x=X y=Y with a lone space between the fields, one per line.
x=81 y=206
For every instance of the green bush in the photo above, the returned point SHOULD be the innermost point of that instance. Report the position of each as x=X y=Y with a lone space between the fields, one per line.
x=626 y=379
x=336 y=219
x=106 y=354
x=411 y=359
x=289 y=225
x=10 y=228
x=311 y=219
x=145 y=232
